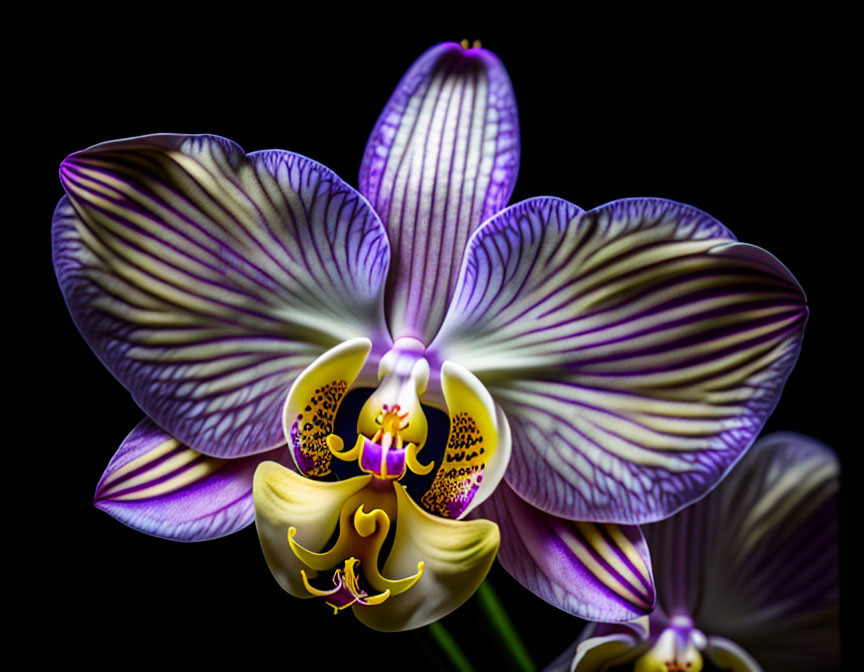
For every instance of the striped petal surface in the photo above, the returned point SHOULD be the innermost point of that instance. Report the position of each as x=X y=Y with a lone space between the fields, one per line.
x=756 y=560
x=207 y=280
x=591 y=570
x=636 y=349
x=442 y=158
x=156 y=485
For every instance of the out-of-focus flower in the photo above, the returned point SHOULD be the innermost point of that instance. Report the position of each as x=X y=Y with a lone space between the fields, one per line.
x=747 y=577
x=634 y=350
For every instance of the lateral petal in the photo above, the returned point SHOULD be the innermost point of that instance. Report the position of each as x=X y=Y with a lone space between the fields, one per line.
x=455 y=554
x=442 y=158
x=156 y=485
x=595 y=571
x=206 y=280
x=636 y=349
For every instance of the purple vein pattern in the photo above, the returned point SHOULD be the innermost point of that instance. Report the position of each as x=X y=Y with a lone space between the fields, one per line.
x=207 y=280
x=442 y=158
x=756 y=560
x=591 y=570
x=158 y=486
x=636 y=349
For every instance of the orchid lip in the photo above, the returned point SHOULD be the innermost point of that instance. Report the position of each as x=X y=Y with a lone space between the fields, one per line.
x=361 y=535
x=315 y=527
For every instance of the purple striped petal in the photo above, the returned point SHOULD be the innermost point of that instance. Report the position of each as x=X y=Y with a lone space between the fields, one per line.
x=442 y=158
x=591 y=570
x=156 y=485
x=206 y=280
x=636 y=349
x=756 y=560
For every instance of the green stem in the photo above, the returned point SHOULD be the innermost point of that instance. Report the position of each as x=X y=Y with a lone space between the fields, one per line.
x=504 y=626
x=450 y=648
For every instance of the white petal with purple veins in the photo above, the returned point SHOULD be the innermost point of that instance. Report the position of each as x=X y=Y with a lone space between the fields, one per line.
x=591 y=570
x=158 y=486
x=441 y=159
x=636 y=349
x=206 y=280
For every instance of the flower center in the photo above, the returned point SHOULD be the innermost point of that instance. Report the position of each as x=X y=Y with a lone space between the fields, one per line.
x=392 y=427
x=391 y=423
x=385 y=455
x=676 y=650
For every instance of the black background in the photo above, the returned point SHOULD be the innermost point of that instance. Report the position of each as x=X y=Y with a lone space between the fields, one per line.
x=734 y=116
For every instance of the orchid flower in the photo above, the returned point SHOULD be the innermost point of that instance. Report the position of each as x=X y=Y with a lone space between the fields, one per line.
x=626 y=356
x=746 y=577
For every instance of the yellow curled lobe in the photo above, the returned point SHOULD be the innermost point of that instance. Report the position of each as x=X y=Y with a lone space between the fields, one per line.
x=413 y=463
x=367 y=523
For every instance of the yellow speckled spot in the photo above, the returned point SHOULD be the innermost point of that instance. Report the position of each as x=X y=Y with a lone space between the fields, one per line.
x=461 y=472
x=314 y=424
x=473 y=441
x=311 y=406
